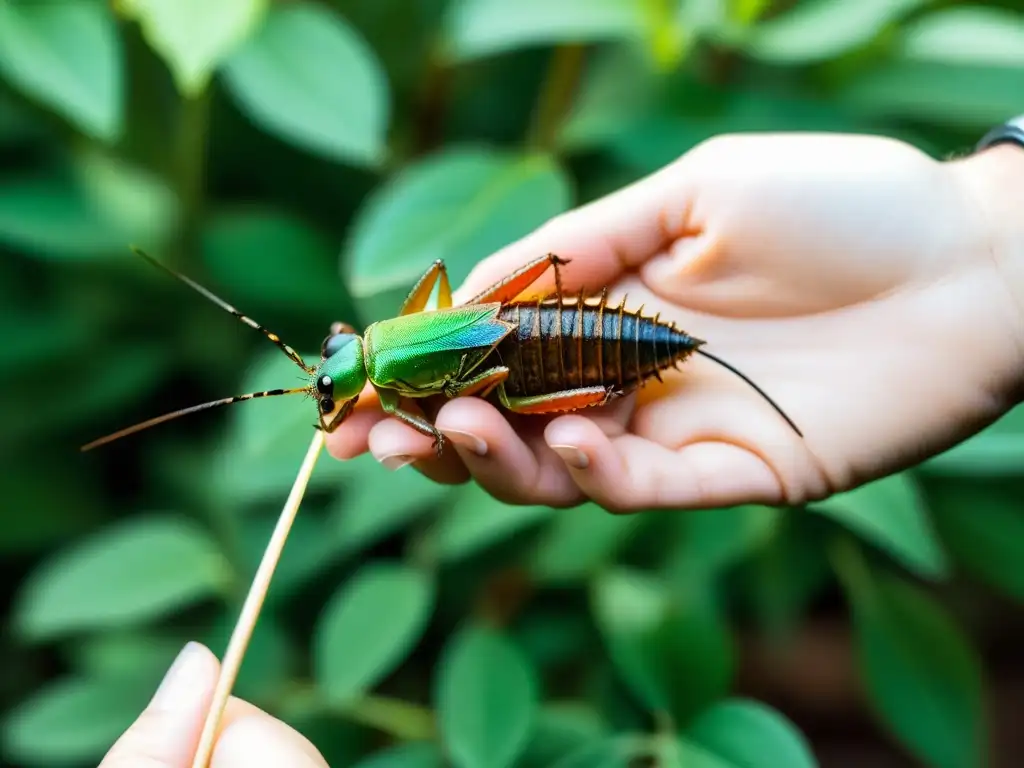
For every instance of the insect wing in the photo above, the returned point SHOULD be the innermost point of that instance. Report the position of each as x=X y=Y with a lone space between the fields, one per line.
x=444 y=330
x=421 y=348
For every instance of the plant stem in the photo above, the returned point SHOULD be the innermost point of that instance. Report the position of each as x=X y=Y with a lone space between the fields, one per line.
x=189 y=173
x=848 y=561
x=410 y=722
x=430 y=110
x=556 y=95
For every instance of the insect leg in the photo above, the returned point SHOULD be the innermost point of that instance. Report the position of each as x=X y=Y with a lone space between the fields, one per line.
x=556 y=402
x=343 y=414
x=391 y=402
x=513 y=285
x=480 y=385
x=419 y=297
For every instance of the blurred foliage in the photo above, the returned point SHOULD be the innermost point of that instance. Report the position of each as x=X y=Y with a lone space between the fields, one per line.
x=306 y=160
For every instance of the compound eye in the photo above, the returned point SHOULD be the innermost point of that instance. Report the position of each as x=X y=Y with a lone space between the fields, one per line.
x=335 y=342
x=327 y=405
x=325 y=385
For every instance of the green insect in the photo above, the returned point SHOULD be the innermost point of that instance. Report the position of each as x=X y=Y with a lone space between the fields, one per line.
x=550 y=355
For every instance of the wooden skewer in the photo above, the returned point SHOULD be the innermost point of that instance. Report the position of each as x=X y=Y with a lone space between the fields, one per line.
x=243 y=630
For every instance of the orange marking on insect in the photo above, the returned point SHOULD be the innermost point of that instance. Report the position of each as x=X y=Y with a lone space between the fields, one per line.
x=517 y=282
x=570 y=401
x=483 y=387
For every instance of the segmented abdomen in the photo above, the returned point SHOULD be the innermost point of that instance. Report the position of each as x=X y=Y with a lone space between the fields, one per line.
x=572 y=343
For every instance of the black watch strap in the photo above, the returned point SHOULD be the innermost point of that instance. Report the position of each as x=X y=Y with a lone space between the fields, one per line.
x=1010 y=132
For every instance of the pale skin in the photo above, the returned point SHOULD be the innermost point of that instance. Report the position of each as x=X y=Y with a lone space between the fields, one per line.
x=166 y=733
x=874 y=292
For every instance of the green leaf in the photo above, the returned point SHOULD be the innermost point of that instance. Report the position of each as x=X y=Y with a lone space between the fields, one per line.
x=142 y=208
x=270 y=660
x=619 y=751
x=476 y=520
x=817 y=30
x=68 y=56
x=127 y=655
x=628 y=750
x=478 y=28
x=715 y=539
x=891 y=514
x=459 y=205
x=253 y=248
x=674 y=652
x=577 y=542
x=308 y=77
x=264 y=444
x=72 y=720
x=369 y=627
x=416 y=754
x=65 y=501
x=380 y=502
x=114 y=376
x=311 y=549
x=983 y=526
x=749 y=734
x=134 y=571
x=560 y=730
x=970 y=35
x=996 y=451
x=52 y=216
x=617 y=88
x=650 y=141
x=194 y=36
x=486 y=699
x=966 y=97
x=784 y=576
x=921 y=674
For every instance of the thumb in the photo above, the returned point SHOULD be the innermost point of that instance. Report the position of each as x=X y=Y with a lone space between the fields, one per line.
x=166 y=734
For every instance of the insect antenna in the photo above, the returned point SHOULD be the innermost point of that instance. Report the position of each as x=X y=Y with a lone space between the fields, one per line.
x=186 y=411
x=760 y=391
x=294 y=356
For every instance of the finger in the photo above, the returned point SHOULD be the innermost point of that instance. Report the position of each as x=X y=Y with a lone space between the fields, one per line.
x=350 y=439
x=604 y=238
x=515 y=467
x=166 y=734
x=396 y=445
x=629 y=474
x=709 y=404
x=257 y=740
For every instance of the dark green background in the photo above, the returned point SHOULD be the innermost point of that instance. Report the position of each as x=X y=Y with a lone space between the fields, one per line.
x=307 y=160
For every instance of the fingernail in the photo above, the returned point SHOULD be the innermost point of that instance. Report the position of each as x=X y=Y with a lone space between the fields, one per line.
x=182 y=680
x=466 y=440
x=397 y=461
x=572 y=456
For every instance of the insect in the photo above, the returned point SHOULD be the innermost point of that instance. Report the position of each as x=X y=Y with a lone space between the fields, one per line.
x=550 y=355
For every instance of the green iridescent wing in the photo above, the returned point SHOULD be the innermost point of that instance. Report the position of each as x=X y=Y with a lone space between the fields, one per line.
x=425 y=345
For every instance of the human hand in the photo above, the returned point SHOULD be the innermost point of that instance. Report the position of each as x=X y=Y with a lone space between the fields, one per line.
x=856 y=280
x=166 y=734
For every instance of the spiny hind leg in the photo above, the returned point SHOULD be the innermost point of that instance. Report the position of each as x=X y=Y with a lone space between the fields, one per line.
x=480 y=385
x=420 y=297
x=391 y=402
x=556 y=402
x=507 y=289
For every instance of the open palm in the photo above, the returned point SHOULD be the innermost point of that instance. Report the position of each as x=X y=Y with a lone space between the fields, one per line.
x=847 y=276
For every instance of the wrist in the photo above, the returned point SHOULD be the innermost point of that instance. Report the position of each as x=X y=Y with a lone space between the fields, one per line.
x=994 y=182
